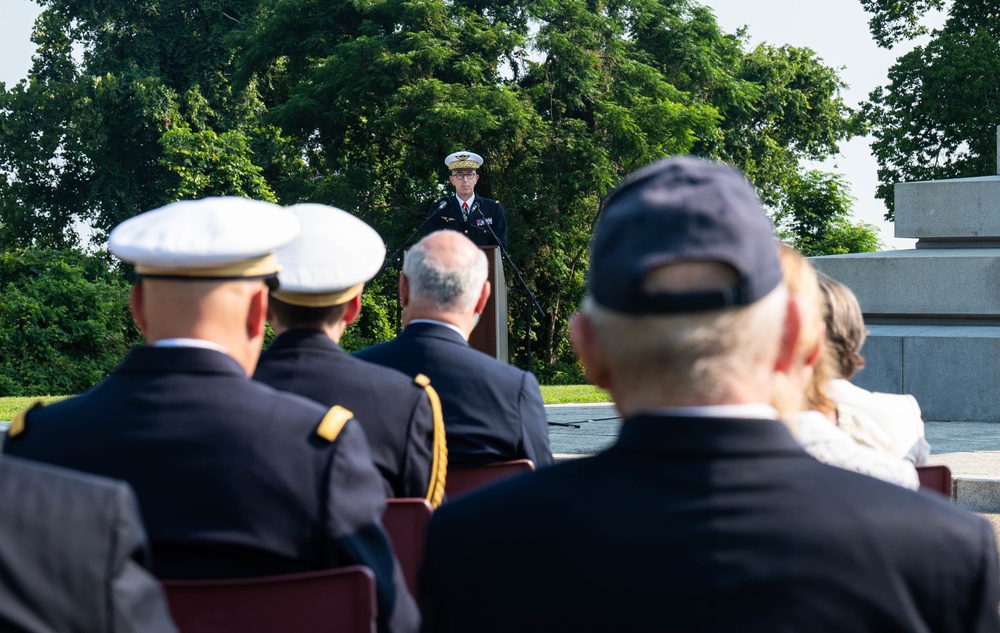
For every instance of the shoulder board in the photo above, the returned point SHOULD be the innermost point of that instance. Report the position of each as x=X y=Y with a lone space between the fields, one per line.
x=333 y=422
x=17 y=425
x=439 y=461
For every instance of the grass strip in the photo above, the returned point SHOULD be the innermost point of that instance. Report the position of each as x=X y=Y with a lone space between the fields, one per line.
x=551 y=394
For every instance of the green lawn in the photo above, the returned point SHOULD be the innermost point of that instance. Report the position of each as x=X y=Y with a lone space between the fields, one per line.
x=562 y=394
x=10 y=406
x=555 y=394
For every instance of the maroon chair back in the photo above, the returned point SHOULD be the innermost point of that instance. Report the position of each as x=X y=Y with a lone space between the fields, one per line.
x=406 y=522
x=463 y=479
x=936 y=478
x=327 y=601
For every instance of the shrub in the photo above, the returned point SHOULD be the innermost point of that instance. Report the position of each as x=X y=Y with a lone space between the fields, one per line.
x=64 y=321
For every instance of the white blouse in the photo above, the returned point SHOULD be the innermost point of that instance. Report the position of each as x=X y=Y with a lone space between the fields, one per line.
x=823 y=440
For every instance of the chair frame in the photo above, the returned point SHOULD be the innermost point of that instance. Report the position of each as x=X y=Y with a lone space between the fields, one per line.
x=338 y=600
x=936 y=478
x=464 y=479
x=405 y=520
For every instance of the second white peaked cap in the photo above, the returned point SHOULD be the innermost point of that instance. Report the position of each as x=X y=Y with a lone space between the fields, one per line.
x=331 y=259
x=211 y=238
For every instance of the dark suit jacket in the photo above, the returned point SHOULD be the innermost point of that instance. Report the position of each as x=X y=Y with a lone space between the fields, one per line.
x=704 y=524
x=474 y=227
x=492 y=411
x=393 y=410
x=231 y=475
x=73 y=555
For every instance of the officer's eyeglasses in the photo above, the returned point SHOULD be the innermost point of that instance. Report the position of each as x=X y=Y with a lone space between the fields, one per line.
x=464 y=176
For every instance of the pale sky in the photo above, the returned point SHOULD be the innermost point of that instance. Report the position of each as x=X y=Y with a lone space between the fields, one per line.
x=836 y=29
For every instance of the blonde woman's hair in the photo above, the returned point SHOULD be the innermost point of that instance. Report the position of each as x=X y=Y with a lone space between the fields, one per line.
x=803 y=284
x=845 y=326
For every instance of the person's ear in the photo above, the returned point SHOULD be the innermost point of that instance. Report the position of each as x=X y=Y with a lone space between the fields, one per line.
x=257 y=313
x=353 y=310
x=136 y=305
x=588 y=349
x=404 y=290
x=790 y=343
x=484 y=296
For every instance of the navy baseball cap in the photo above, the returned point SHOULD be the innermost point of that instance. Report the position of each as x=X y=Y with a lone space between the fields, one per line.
x=682 y=209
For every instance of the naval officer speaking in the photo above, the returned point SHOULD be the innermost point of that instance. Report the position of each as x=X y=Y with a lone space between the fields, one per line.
x=466 y=212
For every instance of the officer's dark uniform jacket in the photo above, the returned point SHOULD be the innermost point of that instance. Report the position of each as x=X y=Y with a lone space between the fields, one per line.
x=474 y=227
x=233 y=478
x=492 y=412
x=393 y=409
x=73 y=555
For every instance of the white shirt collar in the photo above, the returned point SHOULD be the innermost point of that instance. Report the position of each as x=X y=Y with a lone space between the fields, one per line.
x=190 y=342
x=753 y=411
x=447 y=325
x=468 y=202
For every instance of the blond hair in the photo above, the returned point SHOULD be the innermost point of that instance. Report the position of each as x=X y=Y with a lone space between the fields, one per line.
x=802 y=282
x=845 y=326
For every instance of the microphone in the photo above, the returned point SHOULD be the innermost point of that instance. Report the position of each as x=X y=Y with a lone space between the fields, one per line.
x=440 y=206
x=476 y=209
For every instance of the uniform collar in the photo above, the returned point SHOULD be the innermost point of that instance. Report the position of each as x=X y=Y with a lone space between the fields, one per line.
x=756 y=411
x=189 y=342
x=303 y=338
x=431 y=326
x=683 y=435
x=181 y=360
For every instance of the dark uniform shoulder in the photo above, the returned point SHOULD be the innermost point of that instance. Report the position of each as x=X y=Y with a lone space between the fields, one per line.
x=333 y=422
x=388 y=376
x=20 y=422
x=373 y=352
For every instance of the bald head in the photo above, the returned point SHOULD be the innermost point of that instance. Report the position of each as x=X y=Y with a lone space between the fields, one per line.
x=228 y=313
x=445 y=279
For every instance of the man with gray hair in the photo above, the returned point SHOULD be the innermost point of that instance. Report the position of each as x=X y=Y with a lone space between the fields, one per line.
x=492 y=412
x=705 y=515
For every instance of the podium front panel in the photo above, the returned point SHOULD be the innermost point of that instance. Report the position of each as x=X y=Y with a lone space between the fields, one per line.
x=490 y=335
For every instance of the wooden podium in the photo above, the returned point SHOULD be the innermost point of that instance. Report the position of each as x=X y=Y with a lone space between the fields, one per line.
x=490 y=335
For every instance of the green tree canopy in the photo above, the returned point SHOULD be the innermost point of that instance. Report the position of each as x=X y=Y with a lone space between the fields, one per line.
x=937 y=117
x=893 y=21
x=132 y=104
x=126 y=107
x=819 y=220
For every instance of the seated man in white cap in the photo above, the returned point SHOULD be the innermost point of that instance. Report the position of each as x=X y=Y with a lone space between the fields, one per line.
x=323 y=272
x=234 y=478
x=478 y=218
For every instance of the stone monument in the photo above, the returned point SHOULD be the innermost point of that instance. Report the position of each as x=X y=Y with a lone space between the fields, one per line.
x=933 y=312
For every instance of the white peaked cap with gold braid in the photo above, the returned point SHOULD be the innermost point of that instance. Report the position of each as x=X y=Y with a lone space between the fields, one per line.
x=331 y=259
x=211 y=238
x=463 y=160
